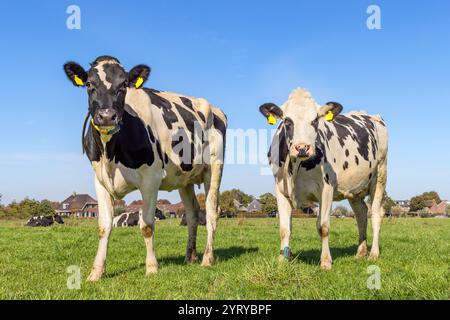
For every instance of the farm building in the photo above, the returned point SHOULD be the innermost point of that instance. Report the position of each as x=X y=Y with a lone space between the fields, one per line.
x=78 y=205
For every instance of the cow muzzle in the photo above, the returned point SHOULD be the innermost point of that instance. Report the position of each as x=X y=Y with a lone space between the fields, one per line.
x=106 y=117
x=302 y=151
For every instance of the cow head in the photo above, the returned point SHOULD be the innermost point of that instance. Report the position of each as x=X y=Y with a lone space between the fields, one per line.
x=106 y=83
x=300 y=117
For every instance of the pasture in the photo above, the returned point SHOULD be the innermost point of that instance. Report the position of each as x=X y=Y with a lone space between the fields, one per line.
x=414 y=262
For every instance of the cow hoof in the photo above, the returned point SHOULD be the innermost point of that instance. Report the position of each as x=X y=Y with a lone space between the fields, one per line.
x=151 y=270
x=96 y=274
x=362 y=251
x=191 y=257
x=325 y=265
x=374 y=255
x=208 y=260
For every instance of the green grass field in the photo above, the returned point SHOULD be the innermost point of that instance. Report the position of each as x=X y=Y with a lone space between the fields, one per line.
x=414 y=262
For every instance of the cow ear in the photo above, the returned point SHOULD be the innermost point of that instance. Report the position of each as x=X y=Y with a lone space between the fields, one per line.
x=75 y=73
x=330 y=110
x=138 y=75
x=272 y=112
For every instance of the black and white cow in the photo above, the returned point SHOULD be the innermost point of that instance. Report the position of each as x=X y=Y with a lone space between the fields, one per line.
x=145 y=139
x=318 y=155
x=44 y=221
x=131 y=219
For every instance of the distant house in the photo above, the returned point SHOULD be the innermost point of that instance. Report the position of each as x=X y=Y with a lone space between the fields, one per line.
x=135 y=206
x=404 y=204
x=435 y=208
x=239 y=207
x=78 y=205
x=170 y=210
x=254 y=206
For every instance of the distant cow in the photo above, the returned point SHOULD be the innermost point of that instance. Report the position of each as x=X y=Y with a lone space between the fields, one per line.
x=145 y=139
x=201 y=219
x=44 y=221
x=318 y=155
x=131 y=219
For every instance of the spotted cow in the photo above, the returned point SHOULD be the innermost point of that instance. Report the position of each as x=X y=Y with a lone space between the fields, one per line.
x=44 y=221
x=320 y=155
x=131 y=219
x=150 y=140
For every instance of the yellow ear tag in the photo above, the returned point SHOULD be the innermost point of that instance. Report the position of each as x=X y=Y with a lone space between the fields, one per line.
x=271 y=119
x=139 y=82
x=329 y=116
x=78 y=81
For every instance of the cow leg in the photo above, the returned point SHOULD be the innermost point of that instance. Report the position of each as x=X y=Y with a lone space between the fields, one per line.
x=360 y=209
x=192 y=208
x=105 y=214
x=147 y=226
x=212 y=185
x=377 y=208
x=285 y=213
x=323 y=225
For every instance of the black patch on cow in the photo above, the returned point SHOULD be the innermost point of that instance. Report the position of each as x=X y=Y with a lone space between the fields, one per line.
x=114 y=75
x=362 y=133
x=164 y=105
x=357 y=160
x=133 y=219
x=166 y=158
x=92 y=144
x=187 y=116
x=131 y=146
x=150 y=133
x=201 y=115
x=122 y=220
x=313 y=161
x=183 y=139
x=345 y=166
x=187 y=102
x=370 y=176
x=279 y=158
x=158 y=149
x=326 y=178
x=347 y=153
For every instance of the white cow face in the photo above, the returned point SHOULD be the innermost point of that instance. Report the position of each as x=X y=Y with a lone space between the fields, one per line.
x=300 y=117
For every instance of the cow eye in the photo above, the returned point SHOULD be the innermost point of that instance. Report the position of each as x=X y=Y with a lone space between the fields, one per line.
x=315 y=122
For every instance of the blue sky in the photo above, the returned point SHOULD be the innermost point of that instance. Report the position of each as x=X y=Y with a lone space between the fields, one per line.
x=236 y=54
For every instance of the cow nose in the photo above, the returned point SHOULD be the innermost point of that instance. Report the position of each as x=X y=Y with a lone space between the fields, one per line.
x=106 y=117
x=303 y=150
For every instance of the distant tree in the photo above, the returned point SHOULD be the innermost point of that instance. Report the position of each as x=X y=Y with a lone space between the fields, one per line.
x=388 y=203
x=201 y=198
x=46 y=208
x=420 y=202
x=118 y=210
x=227 y=200
x=340 y=211
x=268 y=203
